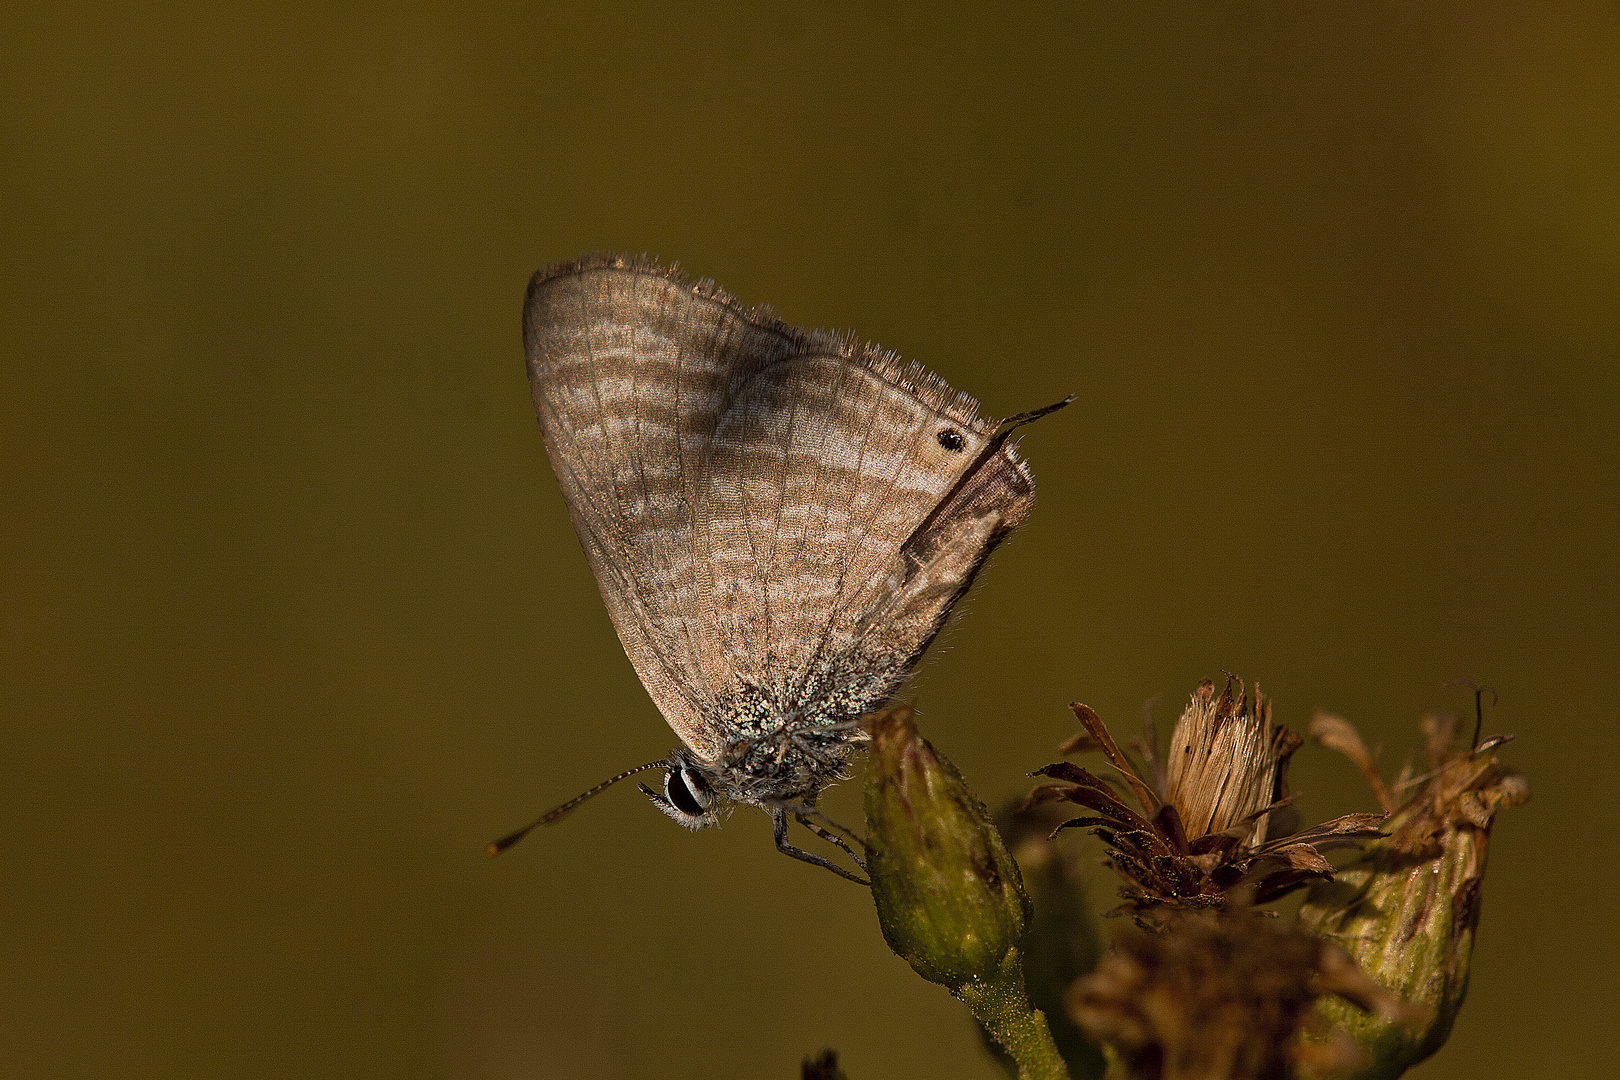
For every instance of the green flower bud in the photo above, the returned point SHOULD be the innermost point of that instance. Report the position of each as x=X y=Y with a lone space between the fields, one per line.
x=949 y=895
x=1407 y=909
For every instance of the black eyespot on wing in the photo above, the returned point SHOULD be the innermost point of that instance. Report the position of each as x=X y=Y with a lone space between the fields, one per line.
x=952 y=440
x=679 y=795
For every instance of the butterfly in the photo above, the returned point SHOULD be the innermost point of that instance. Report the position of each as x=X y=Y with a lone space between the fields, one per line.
x=779 y=522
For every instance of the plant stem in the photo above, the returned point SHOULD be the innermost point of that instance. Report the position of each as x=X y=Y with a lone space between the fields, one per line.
x=1001 y=1004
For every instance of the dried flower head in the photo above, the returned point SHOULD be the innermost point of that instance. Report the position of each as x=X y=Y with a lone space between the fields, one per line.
x=1228 y=763
x=1408 y=908
x=1224 y=998
x=1213 y=821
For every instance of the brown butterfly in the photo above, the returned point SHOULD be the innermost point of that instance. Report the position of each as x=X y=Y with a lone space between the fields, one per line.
x=779 y=521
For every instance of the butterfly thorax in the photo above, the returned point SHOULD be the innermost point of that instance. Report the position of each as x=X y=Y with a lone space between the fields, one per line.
x=789 y=765
x=778 y=753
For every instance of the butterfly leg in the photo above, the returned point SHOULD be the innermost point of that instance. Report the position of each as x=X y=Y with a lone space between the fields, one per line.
x=779 y=825
x=831 y=838
x=807 y=815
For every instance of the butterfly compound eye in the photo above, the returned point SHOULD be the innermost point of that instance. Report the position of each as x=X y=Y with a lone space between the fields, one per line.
x=952 y=440
x=686 y=791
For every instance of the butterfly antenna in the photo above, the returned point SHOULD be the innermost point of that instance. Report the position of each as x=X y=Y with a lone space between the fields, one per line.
x=555 y=814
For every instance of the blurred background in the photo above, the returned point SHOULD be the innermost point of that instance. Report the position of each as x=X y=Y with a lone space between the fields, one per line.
x=295 y=622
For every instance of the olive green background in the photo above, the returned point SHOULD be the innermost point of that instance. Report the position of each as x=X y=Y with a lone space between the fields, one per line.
x=295 y=621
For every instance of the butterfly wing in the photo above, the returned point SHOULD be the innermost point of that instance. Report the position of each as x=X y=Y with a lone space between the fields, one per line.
x=767 y=511
x=850 y=501
x=629 y=367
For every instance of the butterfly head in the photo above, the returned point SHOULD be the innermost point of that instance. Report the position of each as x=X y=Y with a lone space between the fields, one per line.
x=786 y=767
x=689 y=795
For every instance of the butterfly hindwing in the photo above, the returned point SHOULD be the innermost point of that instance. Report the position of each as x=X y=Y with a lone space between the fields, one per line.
x=822 y=470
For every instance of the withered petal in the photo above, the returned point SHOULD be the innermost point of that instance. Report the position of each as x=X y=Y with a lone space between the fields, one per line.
x=1150 y=842
x=1215 y=844
x=1133 y=870
x=1149 y=749
x=1079 y=823
x=1061 y=770
x=1281 y=883
x=1104 y=803
x=1074 y=774
x=1083 y=743
x=1305 y=857
x=1168 y=819
x=1099 y=731
x=1044 y=794
x=1440 y=730
x=1337 y=733
x=1345 y=827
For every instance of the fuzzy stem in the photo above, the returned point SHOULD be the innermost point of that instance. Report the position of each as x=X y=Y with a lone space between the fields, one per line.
x=1001 y=1004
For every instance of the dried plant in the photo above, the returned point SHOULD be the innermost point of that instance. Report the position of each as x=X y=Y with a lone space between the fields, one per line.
x=1206 y=987
x=1226 y=996
x=1212 y=819
x=1408 y=908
